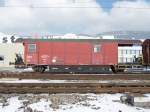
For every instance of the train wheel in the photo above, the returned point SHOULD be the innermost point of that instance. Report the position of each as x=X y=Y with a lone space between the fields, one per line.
x=113 y=68
x=35 y=69
x=41 y=69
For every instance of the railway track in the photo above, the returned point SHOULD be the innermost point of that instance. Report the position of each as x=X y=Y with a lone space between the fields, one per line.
x=23 y=88
x=30 y=75
x=89 y=86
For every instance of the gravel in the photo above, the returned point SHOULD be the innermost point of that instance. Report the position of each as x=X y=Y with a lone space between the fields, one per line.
x=55 y=102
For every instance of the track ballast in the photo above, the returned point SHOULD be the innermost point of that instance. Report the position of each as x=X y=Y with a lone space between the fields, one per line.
x=32 y=75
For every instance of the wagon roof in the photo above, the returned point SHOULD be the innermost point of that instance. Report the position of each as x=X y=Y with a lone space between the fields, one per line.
x=146 y=42
x=119 y=41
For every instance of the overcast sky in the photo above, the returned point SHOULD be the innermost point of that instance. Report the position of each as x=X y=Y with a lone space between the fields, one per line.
x=73 y=16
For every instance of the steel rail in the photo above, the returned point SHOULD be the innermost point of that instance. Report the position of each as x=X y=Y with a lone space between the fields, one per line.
x=74 y=87
x=76 y=76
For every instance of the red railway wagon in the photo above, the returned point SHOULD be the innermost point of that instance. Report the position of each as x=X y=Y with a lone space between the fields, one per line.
x=146 y=52
x=70 y=55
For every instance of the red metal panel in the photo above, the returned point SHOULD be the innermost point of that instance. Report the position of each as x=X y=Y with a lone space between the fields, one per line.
x=71 y=53
x=30 y=58
x=44 y=53
x=84 y=53
x=58 y=53
x=110 y=53
x=97 y=57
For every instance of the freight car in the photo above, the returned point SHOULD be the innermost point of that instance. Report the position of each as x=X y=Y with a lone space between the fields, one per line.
x=71 y=55
x=82 y=55
x=146 y=52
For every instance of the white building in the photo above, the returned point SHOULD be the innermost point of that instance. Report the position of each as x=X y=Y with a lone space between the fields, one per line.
x=108 y=37
x=129 y=53
x=8 y=51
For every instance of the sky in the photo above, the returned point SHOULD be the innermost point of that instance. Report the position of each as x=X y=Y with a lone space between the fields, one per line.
x=28 y=17
x=106 y=3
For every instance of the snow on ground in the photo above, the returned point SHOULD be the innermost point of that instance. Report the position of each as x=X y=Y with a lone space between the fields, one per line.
x=13 y=69
x=67 y=103
x=15 y=80
x=11 y=105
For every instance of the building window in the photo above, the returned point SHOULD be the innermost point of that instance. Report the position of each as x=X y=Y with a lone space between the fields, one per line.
x=121 y=51
x=126 y=51
x=130 y=51
x=121 y=60
x=32 y=48
x=97 y=48
x=1 y=58
x=134 y=51
x=126 y=60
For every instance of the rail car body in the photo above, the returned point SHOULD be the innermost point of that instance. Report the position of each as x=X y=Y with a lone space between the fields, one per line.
x=146 y=52
x=70 y=55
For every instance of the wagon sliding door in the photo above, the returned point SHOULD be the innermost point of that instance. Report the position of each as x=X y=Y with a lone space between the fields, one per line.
x=44 y=53
x=105 y=53
x=97 y=58
x=31 y=53
x=84 y=53
x=58 y=53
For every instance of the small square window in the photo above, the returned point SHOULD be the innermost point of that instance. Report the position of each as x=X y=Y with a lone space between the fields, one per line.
x=32 y=48
x=130 y=51
x=97 y=48
x=134 y=51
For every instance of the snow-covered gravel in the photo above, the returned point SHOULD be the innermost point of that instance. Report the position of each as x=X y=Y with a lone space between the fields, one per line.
x=68 y=103
x=15 y=80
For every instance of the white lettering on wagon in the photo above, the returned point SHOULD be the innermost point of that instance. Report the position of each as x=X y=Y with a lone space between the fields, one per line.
x=44 y=56
x=29 y=58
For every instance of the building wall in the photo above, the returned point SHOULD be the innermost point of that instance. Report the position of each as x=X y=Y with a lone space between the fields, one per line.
x=8 y=51
x=128 y=54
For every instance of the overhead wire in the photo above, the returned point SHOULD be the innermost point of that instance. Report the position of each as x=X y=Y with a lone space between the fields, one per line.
x=92 y=7
x=59 y=5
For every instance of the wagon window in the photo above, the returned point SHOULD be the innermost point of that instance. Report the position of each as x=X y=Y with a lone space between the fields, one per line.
x=32 y=48
x=97 y=48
